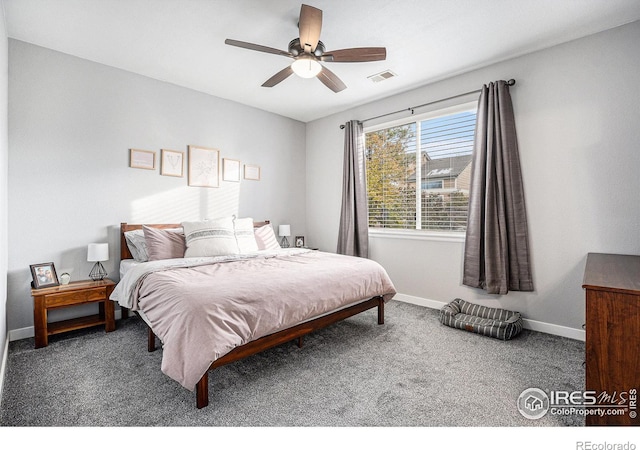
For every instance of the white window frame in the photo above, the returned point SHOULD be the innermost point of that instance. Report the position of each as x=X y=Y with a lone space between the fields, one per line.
x=419 y=234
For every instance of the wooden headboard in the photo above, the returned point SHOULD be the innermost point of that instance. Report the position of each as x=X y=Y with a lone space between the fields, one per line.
x=124 y=227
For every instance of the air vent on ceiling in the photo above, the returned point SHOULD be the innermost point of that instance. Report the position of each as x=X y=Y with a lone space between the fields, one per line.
x=378 y=77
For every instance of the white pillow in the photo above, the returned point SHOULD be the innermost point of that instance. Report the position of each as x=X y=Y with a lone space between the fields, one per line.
x=243 y=229
x=266 y=238
x=210 y=238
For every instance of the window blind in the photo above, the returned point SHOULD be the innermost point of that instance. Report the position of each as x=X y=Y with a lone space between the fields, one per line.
x=418 y=173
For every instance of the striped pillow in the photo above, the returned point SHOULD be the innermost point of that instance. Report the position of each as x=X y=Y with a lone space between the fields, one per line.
x=266 y=238
x=210 y=238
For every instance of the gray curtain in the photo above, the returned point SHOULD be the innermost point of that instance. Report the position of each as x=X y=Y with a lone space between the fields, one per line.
x=353 y=235
x=496 y=254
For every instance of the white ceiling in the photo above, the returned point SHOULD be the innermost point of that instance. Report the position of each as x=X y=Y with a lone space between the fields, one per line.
x=182 y=41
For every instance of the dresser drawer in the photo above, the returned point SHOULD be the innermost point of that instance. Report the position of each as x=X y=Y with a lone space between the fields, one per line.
x=75 y=297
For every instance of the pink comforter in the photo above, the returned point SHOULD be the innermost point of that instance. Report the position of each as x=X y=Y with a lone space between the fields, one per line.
x=201 y=313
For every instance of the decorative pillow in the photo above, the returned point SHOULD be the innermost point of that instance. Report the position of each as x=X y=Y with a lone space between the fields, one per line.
x=163 y=244
x=210 y=238
x=266 y=238
x=243 y=229
x=137 y=245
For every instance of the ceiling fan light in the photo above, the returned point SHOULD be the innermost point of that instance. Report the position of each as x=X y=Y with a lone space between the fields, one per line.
x=306 y=67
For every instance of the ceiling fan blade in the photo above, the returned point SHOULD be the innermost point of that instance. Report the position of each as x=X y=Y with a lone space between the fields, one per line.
x=256 y=47
x=310 y=24
x=331 y=80
x=362 y=54
x=278 y=77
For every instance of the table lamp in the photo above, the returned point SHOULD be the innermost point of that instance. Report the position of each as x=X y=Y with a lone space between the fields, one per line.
x=284 y=231
x=97 y=253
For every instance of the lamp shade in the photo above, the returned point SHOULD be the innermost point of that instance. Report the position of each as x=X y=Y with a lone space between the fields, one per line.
x=98 y=252
x=284 y=230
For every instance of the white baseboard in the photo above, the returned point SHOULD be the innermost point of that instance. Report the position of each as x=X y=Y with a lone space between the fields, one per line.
x=534 y=325
x=21 y=333
x=558 y=330
x=3 y=364
x=29 y=332
x=434 y=304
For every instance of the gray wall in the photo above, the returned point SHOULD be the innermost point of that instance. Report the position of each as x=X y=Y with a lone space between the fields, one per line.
x=4 y=154
x=73 y=121
x=72 y=124
x=578 y=119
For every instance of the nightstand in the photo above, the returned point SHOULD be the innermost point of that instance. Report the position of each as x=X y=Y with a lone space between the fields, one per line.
x=72 y=294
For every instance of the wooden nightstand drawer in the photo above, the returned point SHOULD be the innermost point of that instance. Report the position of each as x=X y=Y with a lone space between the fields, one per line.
x=75 y=297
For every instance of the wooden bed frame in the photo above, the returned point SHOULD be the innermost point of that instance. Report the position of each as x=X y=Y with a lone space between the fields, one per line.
x=251 y=348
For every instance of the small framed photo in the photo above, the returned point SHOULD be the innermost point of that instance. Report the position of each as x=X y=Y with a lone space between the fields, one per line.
x=204 y=167
x=251 y=172
x=299 y=241
x=230 y=169
x=171 y=163
x=142 y=159
x=44 y=275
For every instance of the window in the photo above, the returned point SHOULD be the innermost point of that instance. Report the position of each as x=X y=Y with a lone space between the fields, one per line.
x=433 y=151
x=431 y=184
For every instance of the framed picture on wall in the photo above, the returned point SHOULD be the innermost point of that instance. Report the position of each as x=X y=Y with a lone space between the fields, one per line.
x=251 y=172
x=142 y=159
x=43 y=275
x=204 y=167
x=230 y=169
x=171 y=163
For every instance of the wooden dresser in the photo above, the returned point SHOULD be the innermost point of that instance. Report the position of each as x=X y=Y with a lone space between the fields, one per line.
x=612 y=285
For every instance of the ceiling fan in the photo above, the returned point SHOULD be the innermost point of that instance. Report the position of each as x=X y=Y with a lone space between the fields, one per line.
x=307 y=51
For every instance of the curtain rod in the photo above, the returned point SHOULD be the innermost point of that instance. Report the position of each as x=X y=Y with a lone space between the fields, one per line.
x=511 y=82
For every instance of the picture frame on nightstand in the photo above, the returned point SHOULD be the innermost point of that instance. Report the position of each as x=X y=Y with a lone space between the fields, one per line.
x=44 y=275
x=299 y=241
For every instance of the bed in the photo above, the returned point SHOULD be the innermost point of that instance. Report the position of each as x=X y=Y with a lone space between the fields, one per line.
x=209 y=310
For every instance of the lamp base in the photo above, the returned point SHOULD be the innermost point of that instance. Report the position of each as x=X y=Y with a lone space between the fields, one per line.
x=97 y=272
x=284 y=243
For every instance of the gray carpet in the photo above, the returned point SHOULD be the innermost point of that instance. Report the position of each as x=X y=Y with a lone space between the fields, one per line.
x=410 y=372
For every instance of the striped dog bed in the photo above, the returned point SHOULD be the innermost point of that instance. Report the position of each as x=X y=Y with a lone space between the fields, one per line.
x=494 y=322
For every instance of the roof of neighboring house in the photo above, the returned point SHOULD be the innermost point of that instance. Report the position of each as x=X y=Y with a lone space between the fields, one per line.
x=444 y=167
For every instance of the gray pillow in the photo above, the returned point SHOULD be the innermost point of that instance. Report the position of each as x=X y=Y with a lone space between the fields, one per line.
x=137 y=245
